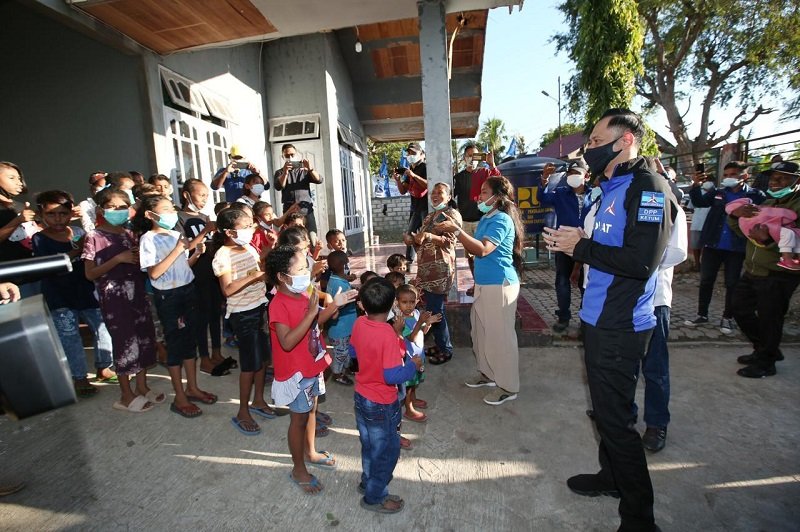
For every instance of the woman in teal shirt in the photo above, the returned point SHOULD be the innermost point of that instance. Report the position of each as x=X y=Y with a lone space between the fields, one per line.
x=497 y=247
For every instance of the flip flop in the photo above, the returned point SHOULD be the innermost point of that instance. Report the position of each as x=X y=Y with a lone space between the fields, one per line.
x=206 y=399
x=223 y=368
x=380 y=508
x=185 y=411
x=324 y=418
x=439 y=358
x=237 y=423
x=405 y=444
x=137 y=406
x=314 y=483
x=156 y=397
x=321 y=431
x=324 y=463
x=422 y=418
x=108 y=380
x=420 y=403
x=263 y=412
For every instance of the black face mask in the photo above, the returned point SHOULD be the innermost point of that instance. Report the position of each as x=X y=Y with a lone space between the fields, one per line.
x=598 y=158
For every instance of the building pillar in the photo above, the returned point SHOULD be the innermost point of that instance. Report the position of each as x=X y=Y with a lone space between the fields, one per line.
x=436 y=98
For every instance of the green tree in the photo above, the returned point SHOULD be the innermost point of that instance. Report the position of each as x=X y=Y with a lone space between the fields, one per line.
x=566 y=129
x=605 y=43
x=493 y=134
x=393 y=150
x=522 y=147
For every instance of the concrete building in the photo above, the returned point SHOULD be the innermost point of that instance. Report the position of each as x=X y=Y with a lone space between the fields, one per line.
x=168 y=87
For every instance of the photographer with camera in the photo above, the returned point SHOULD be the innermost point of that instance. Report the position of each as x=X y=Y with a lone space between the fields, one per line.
x=295 y=179
x=232 y=176
x=414 y=180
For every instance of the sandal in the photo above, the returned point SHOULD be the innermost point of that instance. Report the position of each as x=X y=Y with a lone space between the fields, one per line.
x=185 y=411
x=321 y=431
x=324 y=419
x=421 y=418
x=85 y=390
x=405 y=444
x=343 y=379
x=246 y=427
x=206 y=399
x=439 y=358
x=420 y=403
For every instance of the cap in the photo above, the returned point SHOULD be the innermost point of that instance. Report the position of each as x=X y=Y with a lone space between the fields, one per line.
x=784 y=167
x=236 y=152
x=414 y=146
x=577 y=167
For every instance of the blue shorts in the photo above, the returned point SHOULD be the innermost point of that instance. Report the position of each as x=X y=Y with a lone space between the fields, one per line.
x=304 y=402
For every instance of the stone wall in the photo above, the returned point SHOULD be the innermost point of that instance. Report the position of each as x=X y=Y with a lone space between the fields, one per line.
x=395 y=219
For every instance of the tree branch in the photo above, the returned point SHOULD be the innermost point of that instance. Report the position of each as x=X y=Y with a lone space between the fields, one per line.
x=737 y=126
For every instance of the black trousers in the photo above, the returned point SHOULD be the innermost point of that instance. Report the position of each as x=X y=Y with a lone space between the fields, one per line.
x=760 y=304
x=612 y=359
x=710 y=263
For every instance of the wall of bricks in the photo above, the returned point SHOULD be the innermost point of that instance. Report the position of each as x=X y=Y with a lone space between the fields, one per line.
x=395 y=218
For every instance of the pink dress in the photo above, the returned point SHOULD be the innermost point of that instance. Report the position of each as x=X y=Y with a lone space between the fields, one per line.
x=774 y=218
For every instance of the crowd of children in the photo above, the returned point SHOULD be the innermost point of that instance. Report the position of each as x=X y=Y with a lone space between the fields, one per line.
x=147 y=269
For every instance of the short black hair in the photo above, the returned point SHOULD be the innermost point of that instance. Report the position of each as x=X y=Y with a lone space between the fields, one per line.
x=395 y=260
x=58 y=197
x=376 y=296
x=260 y=206
x=293 y=236
x=102 y=196
x=252 y=177
x=406 y=289
x=115 y=177
x=393 y=277
x=625 y=120
x=336 y=259
x=739 y=165
x=221 y=206
x=367 y=275
x=279 y=260
x=155 y=178
x=469 y=145
x=287 y=146
x=295 y=216
x=332 y=233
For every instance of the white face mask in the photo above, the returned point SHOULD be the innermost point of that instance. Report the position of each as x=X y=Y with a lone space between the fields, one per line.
x=472 y=165
x=243 y=236
x=575 y=180
x=730 y=182
x=708 y=185
x=413 y=159
x=300 y=283
x=257 y=189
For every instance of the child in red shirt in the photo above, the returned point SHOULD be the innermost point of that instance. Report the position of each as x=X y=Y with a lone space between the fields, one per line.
x=382 y=366
x=299 y=356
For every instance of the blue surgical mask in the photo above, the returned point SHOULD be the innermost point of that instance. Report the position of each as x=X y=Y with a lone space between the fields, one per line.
x=440 y=207
x=778 y=194
x=483 y=207
x=116 y=217
x=130 y=196
x=167 y=220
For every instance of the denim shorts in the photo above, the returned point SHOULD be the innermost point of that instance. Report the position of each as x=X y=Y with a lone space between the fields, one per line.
x=304 y=402
x=254 y=347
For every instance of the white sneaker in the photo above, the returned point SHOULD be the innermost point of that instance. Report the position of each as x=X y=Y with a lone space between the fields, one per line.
x=726 y=326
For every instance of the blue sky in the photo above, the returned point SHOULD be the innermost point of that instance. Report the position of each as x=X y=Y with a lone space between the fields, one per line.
x=520 y=62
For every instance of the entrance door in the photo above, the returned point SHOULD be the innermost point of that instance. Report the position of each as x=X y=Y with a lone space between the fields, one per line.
x=311 y=150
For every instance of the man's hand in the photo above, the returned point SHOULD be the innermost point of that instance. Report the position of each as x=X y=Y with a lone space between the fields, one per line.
x=548 y=170
x=252 y=168
x=306 y=164
x=563 y=239
x=9 y=292
x=745 y=211
x=490 y=159
x=699 y=178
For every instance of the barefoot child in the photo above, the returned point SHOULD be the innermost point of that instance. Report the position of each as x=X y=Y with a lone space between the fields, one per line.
x=383 y=365
x=241 y=279
x=111 y=260
x=163 y=255
x=341 y=326
x=415 y=326
x=71 y=296
x=299 y=356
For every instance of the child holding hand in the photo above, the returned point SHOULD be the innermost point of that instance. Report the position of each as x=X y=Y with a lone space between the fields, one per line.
x=383 y=365
x=299 y=356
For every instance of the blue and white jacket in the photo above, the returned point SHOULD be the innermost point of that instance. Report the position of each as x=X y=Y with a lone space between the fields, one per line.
x=631 y=231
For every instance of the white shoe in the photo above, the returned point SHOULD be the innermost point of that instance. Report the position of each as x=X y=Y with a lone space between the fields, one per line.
x=726 y=326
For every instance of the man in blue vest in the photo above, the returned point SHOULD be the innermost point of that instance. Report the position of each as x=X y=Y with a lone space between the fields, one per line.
x=571 y=202
x=631 y=231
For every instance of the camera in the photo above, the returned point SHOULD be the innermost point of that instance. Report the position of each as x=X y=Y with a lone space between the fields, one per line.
x=296 y=164
x=242 y=165
x=305 y=207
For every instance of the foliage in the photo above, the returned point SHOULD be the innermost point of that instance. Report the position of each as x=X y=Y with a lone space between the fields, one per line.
x=493 y=133
x=604 y=42
x=393 y=151
x=522 y=148
x=566 y=129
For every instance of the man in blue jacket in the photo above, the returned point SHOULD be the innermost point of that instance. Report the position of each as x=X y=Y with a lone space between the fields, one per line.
x=720 y=244
x=571 y=202
x=631 y=231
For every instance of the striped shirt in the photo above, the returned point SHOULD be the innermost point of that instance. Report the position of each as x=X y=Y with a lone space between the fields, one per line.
x=240 y=264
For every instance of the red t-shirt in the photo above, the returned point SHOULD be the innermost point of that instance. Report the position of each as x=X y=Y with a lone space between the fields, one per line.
x=377 y=347
x=290 y=311
x=479 y=176
x=262 y=239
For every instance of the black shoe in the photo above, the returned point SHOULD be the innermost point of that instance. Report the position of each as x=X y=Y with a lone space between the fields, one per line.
x=654 y=438
x=561 y=326
x=752 y=358
x=757 y=371
x=590 y=413
x=591 y=486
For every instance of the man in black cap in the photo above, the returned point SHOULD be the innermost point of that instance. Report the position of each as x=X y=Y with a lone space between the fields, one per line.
x=762 y=295
x=414 y=180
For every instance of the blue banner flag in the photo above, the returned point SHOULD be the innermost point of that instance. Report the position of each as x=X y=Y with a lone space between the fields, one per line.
x=384 y=172
x=512 y=148
x=403 y=161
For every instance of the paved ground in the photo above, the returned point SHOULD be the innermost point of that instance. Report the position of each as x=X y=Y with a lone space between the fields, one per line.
x=731 y=463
